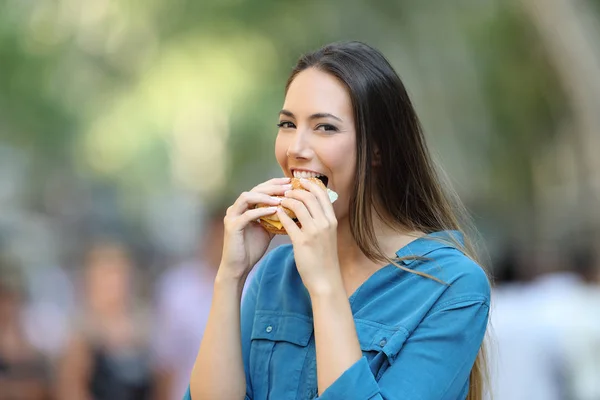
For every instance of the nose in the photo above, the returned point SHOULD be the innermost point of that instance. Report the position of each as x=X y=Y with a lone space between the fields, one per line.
x=299 y=147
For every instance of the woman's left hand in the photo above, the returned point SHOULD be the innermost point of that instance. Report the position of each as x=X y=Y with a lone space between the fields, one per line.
x=315 y=244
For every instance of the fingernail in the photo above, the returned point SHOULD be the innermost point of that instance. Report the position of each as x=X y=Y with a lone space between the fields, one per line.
x=277 y=199
x=287 y=192
x=287 y=187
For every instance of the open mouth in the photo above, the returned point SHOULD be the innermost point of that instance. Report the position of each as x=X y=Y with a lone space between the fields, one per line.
x=305 y=174
x=299 y=174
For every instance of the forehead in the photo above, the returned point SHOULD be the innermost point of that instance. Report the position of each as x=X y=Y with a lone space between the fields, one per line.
x=314 y=91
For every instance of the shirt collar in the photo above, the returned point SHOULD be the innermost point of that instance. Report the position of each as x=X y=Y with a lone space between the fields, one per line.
x=428 y=243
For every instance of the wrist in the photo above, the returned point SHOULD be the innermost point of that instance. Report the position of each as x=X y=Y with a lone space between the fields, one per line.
x=326 y=288
x=226 y=277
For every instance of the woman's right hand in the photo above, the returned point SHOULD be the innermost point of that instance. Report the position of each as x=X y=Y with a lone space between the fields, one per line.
x=245 y=240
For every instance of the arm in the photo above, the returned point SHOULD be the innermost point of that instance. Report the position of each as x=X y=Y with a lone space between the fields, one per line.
x=247 y=320
x=336 y=341
x=315 y=254
x=434 y=362
x=219 y=370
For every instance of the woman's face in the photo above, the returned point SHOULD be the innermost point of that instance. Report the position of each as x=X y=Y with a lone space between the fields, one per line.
x=317 y=134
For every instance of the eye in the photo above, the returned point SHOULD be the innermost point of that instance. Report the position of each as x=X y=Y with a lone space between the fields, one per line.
x=327 y=128
x=286 y=125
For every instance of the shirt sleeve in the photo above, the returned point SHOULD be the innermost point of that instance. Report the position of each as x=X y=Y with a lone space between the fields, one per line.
x=434 y=363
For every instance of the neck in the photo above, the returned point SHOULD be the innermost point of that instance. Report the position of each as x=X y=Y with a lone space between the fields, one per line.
x=349 y=254
x=390 y=241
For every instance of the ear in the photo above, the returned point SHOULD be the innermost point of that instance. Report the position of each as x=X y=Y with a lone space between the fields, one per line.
x=376 y=162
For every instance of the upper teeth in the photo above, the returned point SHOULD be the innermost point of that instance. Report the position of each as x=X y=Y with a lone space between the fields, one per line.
x=306 y=174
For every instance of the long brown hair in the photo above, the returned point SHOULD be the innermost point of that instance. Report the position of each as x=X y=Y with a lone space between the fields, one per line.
x=405 y=189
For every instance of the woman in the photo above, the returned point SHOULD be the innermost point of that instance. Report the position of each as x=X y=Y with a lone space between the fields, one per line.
x=24 y=371
x=108 y=356
x=378 y=297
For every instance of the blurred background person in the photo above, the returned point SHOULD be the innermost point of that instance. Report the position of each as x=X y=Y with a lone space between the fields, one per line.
x=24 y=372
x=545 y=330
x=108 y=356
x=183 y=298
x=582 y=336
x=526 y=357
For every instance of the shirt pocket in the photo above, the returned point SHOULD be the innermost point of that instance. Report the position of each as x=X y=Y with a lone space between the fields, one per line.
x=277 y=352
x=380 y=344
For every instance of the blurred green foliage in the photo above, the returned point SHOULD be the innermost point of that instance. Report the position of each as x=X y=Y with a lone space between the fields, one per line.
x=109 y=91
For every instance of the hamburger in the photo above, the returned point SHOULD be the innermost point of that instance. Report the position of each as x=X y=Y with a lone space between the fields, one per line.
x=271 y=222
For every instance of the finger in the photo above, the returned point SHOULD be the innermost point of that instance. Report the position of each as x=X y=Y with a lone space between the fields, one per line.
x=290 y=226
x=302 y=213
x=321 y=196
x=275 y=190
x=274 y=182
x=254 y=214
x=279 y=181
x=248 y=200
x=310 y=201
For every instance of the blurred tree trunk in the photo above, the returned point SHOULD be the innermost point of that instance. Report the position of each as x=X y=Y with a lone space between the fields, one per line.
x=571 y=35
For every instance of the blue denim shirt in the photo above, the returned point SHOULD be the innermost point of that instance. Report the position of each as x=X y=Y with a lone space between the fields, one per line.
x=419 y=337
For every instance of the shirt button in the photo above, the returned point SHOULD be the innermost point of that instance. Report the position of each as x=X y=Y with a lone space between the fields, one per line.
x=382 y=343
x=269 y=329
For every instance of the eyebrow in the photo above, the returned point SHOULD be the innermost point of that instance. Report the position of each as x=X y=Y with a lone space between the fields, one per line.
x=313 y=116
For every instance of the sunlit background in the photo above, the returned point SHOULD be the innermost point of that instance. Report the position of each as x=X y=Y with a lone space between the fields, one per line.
x=127 y=126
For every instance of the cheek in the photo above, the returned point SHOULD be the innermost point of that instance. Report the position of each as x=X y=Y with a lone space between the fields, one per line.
x=345 y=162
x=281 y=147
x=342 y=159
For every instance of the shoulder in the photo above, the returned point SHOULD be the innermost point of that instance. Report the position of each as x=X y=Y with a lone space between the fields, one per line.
x=407 y=296
x=457 y=276
x=458 y=280
x=462 y=275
